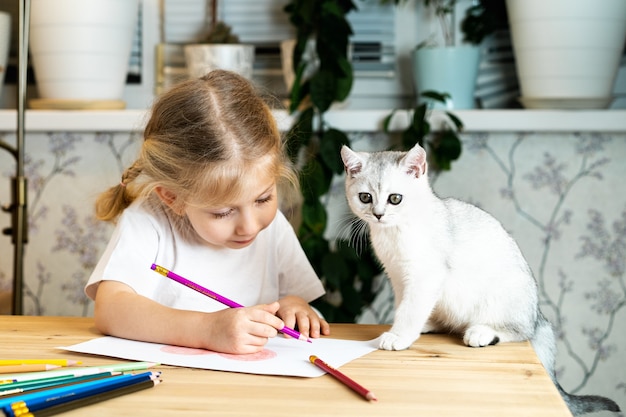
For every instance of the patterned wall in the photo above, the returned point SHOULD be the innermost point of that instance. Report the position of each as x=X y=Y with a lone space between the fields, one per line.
x=560 y=195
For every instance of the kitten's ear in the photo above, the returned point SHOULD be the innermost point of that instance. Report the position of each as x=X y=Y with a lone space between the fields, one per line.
x=415 y=161
x=352 y=162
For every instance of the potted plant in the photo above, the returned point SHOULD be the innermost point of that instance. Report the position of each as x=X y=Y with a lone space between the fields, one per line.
x=440 y=63
x=567 y=53
x=220 y=48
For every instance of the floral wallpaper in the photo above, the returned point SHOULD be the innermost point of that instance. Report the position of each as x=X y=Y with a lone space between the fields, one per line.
x=65 y=172
x=561 y=195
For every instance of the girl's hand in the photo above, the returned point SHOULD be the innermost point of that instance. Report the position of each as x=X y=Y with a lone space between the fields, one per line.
x=296 y=312
x=120 y=311
x=243 y=330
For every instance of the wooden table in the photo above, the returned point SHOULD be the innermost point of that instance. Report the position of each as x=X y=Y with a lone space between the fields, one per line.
x=437 y=376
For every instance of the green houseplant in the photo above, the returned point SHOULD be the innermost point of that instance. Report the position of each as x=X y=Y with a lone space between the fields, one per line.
x=482 y=19
x=443 y=143
x=442 y=64
x=314 y=146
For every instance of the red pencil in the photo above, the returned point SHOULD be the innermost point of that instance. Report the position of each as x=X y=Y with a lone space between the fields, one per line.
x=364 y=392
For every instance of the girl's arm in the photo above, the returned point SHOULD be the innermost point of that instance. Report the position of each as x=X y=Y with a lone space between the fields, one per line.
x=121 y=312
x=296 y=311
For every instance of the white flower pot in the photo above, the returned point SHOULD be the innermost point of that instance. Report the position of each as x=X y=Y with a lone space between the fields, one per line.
x=80 y=48
x=203 y=58
x=567 y=52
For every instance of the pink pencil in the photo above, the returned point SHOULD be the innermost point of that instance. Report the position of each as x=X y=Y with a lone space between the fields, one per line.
x=227 y=302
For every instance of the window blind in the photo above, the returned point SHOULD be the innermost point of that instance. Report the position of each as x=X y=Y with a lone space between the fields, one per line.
x=265 y=24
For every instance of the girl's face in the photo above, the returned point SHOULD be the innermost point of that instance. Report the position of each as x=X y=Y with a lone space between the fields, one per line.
x=236 y=224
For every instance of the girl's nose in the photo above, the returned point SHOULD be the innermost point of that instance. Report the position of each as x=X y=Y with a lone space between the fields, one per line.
x=247 y=224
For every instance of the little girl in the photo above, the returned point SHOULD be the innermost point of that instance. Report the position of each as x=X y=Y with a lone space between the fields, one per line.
x=202 y=201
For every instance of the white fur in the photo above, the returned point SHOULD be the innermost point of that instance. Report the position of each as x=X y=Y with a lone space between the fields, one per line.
x=452 y=266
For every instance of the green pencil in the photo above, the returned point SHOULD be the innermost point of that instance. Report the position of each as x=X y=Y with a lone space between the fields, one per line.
x=33 y=386
x=130 y=366
x=81 y=371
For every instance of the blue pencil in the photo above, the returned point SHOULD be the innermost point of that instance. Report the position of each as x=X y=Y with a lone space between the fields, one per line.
x=53 y=396
x=94 y=399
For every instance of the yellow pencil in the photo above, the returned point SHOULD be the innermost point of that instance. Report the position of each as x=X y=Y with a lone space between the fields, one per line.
x=60 y=362
x=35 y=367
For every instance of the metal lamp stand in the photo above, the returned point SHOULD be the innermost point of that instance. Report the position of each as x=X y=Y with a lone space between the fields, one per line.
x=17 y=208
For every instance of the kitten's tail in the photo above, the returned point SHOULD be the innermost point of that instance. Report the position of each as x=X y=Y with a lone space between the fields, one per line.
x=545 y=345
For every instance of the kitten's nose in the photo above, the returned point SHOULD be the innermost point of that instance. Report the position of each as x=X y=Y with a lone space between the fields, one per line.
x=378 y=216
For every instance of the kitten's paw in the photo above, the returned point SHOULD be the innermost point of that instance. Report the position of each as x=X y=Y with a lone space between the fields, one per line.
x=391 y=341
x=480 y=335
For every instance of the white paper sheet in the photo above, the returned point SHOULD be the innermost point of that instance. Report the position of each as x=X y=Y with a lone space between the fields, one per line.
x=281 y=356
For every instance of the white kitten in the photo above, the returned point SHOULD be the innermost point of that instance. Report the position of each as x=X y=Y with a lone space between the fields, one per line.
x=452 y=266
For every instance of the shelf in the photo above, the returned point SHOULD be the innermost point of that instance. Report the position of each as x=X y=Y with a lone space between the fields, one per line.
x=347 y=120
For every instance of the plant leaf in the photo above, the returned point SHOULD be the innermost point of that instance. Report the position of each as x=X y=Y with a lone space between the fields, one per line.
x=330 y=149
x=335 y=269
x=344 y=83
x=315 y=181
x=446 y=147
x=323 y=89
x=314 y=217
x=436 y=95
x=300 y=133
x=457 y=122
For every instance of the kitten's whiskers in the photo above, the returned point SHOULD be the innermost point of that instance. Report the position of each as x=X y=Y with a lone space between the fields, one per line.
x=355 y=232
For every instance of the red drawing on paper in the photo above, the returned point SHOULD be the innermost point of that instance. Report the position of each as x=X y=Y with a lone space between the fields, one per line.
x=263 y=355
x=180 y=350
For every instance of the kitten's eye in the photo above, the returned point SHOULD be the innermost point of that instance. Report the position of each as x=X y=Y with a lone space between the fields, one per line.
x=365 y=198
x=395 y=199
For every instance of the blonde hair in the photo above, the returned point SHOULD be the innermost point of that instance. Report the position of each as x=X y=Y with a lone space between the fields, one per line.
x=205 y=137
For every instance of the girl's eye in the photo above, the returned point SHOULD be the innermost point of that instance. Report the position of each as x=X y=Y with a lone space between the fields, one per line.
x=395 y=199
x=366 y=198
x=264 y=199
x=222 y=215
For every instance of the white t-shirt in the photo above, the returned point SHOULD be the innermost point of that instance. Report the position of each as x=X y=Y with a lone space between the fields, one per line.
x=273 y=266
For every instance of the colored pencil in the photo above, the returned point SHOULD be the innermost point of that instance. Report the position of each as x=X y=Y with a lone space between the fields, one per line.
x=53 y=396
x=61 y=391
x=12 y=391
x=227 y=302
x=28 y=382
x=94 y=399
x=60 y=362
x=80 y=371
x=130 y=366
x=34 y=367
x=364 y=392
